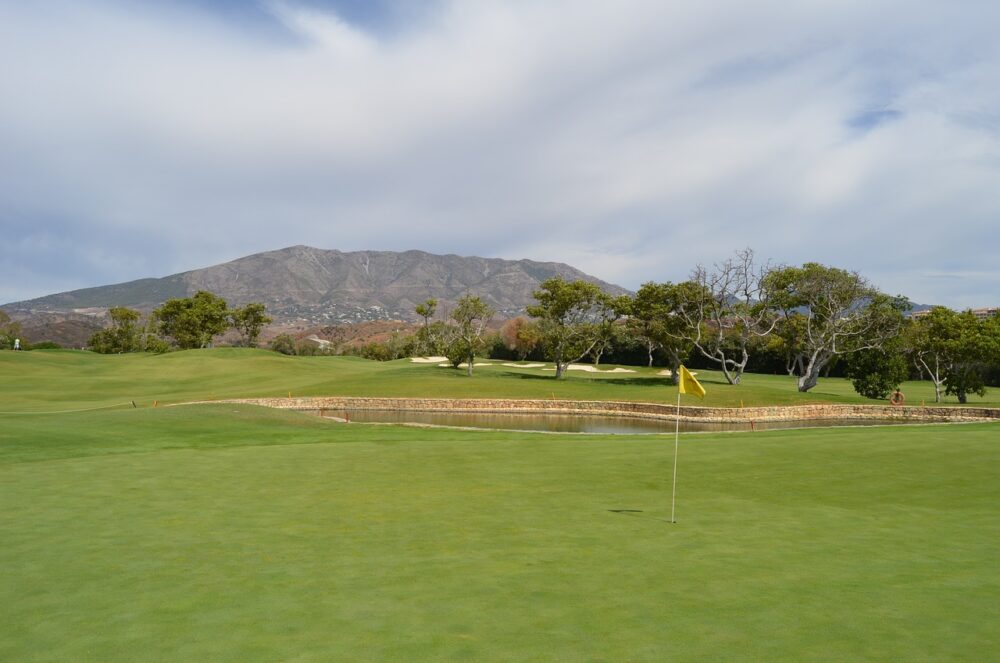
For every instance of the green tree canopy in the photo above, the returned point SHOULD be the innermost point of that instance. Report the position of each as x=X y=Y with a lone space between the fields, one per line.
x=652 y=321
x=570 y=314
x=249 y=320
x=471 y=316
x=192 y=321
x=831 y=312
x=955 y=350
x=124 y=335
x=877 y=372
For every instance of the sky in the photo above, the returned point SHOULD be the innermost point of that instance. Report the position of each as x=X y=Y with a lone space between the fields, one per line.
x=632 y=139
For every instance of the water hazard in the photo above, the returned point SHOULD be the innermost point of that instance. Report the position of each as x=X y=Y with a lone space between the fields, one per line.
x=574 y=423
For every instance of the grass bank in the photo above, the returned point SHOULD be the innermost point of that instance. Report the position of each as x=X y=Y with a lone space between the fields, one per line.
x=52 y=380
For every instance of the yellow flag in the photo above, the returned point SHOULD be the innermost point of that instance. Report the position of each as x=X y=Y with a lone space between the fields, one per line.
x=688 y=385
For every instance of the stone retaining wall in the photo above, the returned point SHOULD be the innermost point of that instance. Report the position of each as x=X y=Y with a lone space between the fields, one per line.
x=633 y=410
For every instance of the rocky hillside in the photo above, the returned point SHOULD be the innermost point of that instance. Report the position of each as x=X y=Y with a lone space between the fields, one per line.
x=305 y=285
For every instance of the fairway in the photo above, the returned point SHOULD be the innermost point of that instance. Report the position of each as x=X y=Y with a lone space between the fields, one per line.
x=236 y=533
x=59 y=380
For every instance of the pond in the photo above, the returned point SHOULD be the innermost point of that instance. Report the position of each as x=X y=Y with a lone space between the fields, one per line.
x=575 y=423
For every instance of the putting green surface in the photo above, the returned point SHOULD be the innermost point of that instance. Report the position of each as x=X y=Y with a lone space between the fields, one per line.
x=236 y=533
x=231 y=533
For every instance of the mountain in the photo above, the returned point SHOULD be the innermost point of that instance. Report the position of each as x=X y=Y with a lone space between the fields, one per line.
x=305 y=285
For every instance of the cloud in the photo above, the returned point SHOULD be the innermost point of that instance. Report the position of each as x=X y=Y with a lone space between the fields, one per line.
x=630 y=139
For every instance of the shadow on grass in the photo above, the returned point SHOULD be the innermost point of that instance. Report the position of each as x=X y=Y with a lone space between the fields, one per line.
x=641 y=382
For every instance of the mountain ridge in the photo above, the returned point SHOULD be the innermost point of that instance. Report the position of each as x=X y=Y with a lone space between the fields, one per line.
x=325 y=286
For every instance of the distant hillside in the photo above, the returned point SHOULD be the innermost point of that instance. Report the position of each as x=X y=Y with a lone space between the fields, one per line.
x=306 y=285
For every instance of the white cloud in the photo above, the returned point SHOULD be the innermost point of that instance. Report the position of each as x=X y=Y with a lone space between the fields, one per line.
x=607 y=135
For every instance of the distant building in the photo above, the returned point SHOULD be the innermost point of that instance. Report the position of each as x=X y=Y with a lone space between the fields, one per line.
x=980 y=313
x=983 y=313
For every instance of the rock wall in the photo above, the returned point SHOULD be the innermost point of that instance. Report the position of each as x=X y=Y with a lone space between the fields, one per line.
x=634 y=410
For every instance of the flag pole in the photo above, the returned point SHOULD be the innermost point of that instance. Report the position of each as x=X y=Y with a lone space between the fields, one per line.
x=677 y=435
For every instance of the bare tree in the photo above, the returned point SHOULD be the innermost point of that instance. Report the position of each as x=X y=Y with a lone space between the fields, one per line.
x=723 y=310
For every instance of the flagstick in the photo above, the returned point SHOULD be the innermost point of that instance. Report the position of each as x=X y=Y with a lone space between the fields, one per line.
x=677 y=435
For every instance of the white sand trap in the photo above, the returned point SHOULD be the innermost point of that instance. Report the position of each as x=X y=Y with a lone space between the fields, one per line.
x=447 y=364
x=666 y=371
x=523 y=365
x=589 y=368
x=428 y=360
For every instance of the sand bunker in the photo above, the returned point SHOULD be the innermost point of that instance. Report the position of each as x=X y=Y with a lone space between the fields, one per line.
x=592 y=369
x=667 y=372
x=447 y=364
x=428 y=360
x=512 y=365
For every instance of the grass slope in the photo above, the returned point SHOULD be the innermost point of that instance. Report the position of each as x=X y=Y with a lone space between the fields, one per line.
x=240 y=534
x=45 y=381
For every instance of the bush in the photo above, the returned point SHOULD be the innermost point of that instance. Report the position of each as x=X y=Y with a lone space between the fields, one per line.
x=284 y=344
x=877 y=373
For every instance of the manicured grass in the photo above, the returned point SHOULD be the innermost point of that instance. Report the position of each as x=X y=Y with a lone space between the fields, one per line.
x=234 y=533
x=42 y=381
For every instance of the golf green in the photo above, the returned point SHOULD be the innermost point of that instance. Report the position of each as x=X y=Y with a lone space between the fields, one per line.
x=235 y=533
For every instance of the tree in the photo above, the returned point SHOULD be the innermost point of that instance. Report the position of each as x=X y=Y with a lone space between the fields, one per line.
x=722 y=311
x=426 y=310
x=426 y=339
x=9 y=330
x=877 y=372
x=520 y=336
x=193 y=321
x=955 y=350
x=471 y=315
x=610 y=332
x=569 y=316
x=249 y=320
x=951 y=348
x=786 y=340
x=652 y=322
x=834 y=312
x=124 y=335
x=283 y=344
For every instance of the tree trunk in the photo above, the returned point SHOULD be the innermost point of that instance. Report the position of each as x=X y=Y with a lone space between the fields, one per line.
x=934 y=375
x=734 y=371
x=649 y=350
x=471 y=361
x=809 y=380
x=675 y=368
x=733 y=376
x=810 y=376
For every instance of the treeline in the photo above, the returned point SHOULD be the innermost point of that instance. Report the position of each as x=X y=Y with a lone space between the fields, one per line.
x=808 y=322
x=181 y=323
